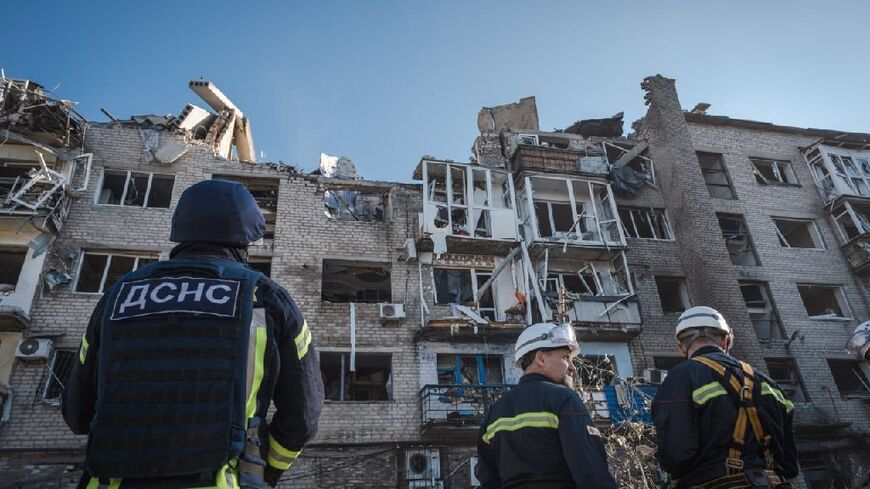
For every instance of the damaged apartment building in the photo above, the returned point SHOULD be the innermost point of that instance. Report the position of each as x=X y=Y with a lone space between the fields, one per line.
x=415 y=293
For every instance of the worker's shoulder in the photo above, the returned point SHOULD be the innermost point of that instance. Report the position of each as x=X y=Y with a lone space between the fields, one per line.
x=553 y=392
x=272 y=295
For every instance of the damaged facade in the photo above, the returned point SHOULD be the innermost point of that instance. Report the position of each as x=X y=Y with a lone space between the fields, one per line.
x=415 y=293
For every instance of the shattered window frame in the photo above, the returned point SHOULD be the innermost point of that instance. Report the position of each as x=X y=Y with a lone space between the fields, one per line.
x=770 y=171
x=139 y=260
x=346 y=378
x=263 y=264
x=791 y=382
x=844 y=314
x=454 y=368
x=852 y=220
x=475 y=281
x=809 y=225
x=738 y=235
x=640 y=163
x=15 y=253
x=355 y=204
x=677 y=287
x=655 y=219
x=56 y=374
x=762 y=310
x=848 y=373
x=714 y=164
x=377 y=293
x=131 y=176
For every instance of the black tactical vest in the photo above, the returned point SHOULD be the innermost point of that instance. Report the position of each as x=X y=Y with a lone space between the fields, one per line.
x=172 y=364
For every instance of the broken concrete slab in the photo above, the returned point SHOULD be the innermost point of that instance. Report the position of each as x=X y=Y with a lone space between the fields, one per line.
x=610 y=127
x=519 y=115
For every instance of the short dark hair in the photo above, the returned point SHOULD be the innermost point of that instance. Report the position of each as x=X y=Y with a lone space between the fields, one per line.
x=527 y=359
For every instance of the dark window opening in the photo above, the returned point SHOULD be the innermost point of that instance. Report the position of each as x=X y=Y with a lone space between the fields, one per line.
x=453 y=286
x=667 y=363
x=99 y=271
x=265 y=192
x=262 y=264
x=371 y=379
x=823 y=301
x=56 y=375
x=713 y=169
x=795 y=233
x=136 y=189
x=816 y=473
x=353 y=205
x=11 y=263
x=784 y=372
x=762 y=313
x=161 y=191
x=113 y=187
x=737 y=240
x=350 y=281
x=673 y=294
x=849 y=377
x=773 y=172
x=469 y=369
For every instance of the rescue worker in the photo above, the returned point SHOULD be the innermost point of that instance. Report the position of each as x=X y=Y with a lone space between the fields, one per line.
x=859 y=343
x=721 y=424
x=539 y=435
x=181 y=359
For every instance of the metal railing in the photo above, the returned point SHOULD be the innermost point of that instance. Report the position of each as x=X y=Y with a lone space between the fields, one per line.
x=458 y=404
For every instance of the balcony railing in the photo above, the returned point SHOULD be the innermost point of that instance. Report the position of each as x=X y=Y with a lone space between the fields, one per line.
x=458 y=405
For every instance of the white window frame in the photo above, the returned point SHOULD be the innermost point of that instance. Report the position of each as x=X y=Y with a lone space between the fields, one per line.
x=813 y=228
x=647 y=214
x=127 y=185
x=859 y=220
x=51 y=377
x=530 y=139
x=475 y=285
x=839 y=295
x=782 y=171
x=108 y=265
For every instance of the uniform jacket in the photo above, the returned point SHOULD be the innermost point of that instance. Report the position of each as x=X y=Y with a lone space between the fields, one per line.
x=291 y=378
x=694 y=422
x=540 y=435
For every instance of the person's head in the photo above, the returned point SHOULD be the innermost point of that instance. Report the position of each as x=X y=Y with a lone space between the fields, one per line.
x=702 y=326
x=217 y=212
x=547 y=349
x=859 y=343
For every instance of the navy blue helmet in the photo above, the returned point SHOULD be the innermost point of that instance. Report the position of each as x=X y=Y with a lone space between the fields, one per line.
x=217 y=211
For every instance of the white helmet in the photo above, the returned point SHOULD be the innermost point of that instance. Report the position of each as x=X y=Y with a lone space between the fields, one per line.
x=545 y=335
x=859 y=343
x=702 y=317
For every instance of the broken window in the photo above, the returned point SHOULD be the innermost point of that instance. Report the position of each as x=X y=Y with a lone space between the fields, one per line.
x=850 y=377
x=773 y=172
x=136 y=189
x=262 y=264
x=367 y=377
x=265 y=192
x=56 y=374
x=715 y=176
x=763 y=315
x=98 y=271
x=460 y=286
x=355 y=281
x=673 y=294
x=784 y=372
x=11 y=263
x=583 y=282
x=596 y=371
x=798 y=233
x=853 y=172
x=852 y=220
x=354 y=205
x=572 y=210
x=737 y=240
x=824 y=301
x=645 y=223
x=469 y=369
x=12 y=172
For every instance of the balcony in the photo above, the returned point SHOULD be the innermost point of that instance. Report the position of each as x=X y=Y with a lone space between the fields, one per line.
x=452 y=412
x=464 y=330
x=839 y=171
x=555 y=160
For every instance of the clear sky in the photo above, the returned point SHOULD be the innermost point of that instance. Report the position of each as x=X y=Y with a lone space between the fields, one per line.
x=387 y=82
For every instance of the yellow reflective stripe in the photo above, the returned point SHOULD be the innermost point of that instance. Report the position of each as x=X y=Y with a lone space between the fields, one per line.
x=708 y=391
x=280 y=457
x=539 y=419
x=303 y=340
x=767 y=389
x=94 y=483
x=226 y=478
x=259 y=356
x=83 y=351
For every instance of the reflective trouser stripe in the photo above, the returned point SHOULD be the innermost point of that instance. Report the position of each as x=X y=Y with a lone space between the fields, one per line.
x=708 y=391
x=303 y=340
x=540 y=419
x=768 y=390
x=95 y=483
x=83 y=351
x=280 y=457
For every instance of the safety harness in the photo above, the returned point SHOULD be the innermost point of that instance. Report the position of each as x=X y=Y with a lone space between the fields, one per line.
x=744 y=392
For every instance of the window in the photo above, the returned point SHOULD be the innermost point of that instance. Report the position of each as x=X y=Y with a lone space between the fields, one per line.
x=816 y=473
x=460 y=286
x=56 y=375
x=570 y=210
x=469 y=369
x=773 y=172
x=585 y=281
x=849 y=377
x=645 y=223
x=265 y=192
x=596 y=371
x=737 y=240
x=824 y=301
x=352 y=281
x=784 y=372
x=11 y=263
x=469 y=200
x=345 y=204
x=852 y=220
x=262 y=264
x=136 y=189
x=673 y=294
x=798 y=233
x=98 y=271
x=763 y=315
x=667 y=363
x=713 y=169
x=854 y=171
x=368 y=377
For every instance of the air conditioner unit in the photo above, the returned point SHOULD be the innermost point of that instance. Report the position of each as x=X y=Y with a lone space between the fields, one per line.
x=654 y=375
x=472 y=474
x=34 y=349
x=423 y=465
x=392 y=311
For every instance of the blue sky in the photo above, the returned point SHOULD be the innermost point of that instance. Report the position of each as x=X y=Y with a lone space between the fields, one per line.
x=387 y=82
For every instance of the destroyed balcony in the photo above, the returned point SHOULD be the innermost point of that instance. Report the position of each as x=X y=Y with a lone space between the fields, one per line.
x=840 y=170
x=466 y=209
x=852 y=218
x=533 y=158
x=29 y=116
x=452 y=412
x=605 y=318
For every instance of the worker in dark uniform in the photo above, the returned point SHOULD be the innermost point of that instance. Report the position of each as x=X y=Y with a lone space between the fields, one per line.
x=539 y=435
x=721 y=424
x=182 y=358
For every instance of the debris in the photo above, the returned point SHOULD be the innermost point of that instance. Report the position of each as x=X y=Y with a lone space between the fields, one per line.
x=610 y=127
x=477 y=318
x=627 y=179
x=520 y=115
x=27 y=110
x=439 y=240
x=53 y=278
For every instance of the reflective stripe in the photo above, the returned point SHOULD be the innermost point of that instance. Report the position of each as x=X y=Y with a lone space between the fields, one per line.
x=226 y=478
x=259 y=356
x=94 y=483
x=303 y=340
x=280 y=457
x=706 y=392
x=767 y=389
x=540 y=419
x=83 y=351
